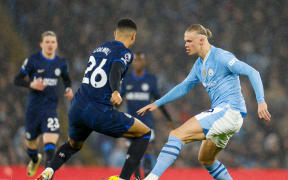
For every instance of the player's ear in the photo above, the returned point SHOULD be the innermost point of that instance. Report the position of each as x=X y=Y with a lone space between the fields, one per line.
x=201 y=41
x=133 y=37
x=115 y=34
x=41 y=44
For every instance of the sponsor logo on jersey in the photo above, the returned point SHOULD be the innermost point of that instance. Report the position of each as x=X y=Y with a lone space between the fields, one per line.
x=40 y=70
x=57 y=72
x=209 y=84
x=145 y=87
x=138 y=96
x=50 y=81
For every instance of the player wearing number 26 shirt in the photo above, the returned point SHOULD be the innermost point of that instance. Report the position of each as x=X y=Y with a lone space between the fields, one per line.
x=92 y=107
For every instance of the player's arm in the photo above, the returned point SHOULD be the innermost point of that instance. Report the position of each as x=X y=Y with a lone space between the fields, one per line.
x=67 y=82
x=164 y=111
x=177 y=92
x=117 y=69
x=36 y=84
x=166 y=114
x=19 y=80
x=241 y=68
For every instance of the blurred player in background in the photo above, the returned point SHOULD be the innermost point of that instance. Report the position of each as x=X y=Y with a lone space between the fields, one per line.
x=44 y=69
x=218 y=70
x=139 y=87
x=92 y=107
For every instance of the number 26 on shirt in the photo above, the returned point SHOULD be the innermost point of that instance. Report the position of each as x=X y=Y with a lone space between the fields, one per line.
x=97 y=71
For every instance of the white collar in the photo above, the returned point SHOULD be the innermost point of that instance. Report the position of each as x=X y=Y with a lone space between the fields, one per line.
x=206 y=56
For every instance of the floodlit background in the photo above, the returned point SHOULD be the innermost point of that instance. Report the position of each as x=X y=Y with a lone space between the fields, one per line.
x=255 y=31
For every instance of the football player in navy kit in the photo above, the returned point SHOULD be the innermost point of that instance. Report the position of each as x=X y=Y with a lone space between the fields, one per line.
x=139 y=88
x=44 y=68
x=92 y=107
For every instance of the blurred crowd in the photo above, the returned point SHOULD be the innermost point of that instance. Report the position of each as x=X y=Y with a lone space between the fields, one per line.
x=255 y=31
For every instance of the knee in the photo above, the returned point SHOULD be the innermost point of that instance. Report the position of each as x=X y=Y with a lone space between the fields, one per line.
x=175 y=133
x=74 y=144
x=205 y=161
x=32 y=144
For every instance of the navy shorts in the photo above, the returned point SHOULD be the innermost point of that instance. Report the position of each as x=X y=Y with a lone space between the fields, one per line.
x=39 y=122
x=100 y=118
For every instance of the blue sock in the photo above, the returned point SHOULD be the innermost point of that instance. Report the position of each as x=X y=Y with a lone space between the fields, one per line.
x=218 y=171
x=33 y=154
x=49 y=149
x=168 y=155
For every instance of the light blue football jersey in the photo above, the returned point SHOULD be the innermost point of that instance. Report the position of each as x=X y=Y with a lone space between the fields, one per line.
x=219 y=74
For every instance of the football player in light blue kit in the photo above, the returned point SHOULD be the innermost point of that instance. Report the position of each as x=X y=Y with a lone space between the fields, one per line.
x=218 y=70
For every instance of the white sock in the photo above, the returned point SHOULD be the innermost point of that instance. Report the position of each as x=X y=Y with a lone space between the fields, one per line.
x=152 y=177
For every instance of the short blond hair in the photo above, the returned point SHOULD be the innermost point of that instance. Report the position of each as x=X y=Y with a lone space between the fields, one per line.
x=48 y=33
x=200 y=30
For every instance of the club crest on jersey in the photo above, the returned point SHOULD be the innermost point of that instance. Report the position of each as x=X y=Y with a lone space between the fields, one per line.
x=57 y=71
x=129 y=87
x=210 y=72
x=145 y=87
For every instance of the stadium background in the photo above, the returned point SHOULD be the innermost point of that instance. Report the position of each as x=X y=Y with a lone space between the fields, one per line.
x=255 y=31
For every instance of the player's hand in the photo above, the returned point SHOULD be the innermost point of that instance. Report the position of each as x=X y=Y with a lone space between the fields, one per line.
x=68 y=93
x=149 y=107
x=116 y=99
x=38 y=84
x=263 y=112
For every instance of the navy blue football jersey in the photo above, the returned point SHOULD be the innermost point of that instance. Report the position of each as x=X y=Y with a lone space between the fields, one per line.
x=139 y=92
x=50 y=70
x=95 y=87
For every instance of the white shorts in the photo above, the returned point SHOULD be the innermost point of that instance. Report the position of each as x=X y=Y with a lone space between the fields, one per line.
x=219 y=124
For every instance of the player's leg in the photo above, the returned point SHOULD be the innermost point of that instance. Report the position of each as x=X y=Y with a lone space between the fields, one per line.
x=50 y=128
x=219 y=132
x=140 y=135
x=50 y=140
x=190 y=131
x=35 y=157
x=147 y=163
x=207 y=157
x=78 y=133
x=147 y=159
x=32 y=132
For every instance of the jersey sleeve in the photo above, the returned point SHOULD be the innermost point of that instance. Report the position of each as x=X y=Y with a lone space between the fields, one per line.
x=232 y=64
x=123 y=87
x=27 y=66
x=181 y=89
x=65 y=74
x=125 y=57
x=64 y=69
